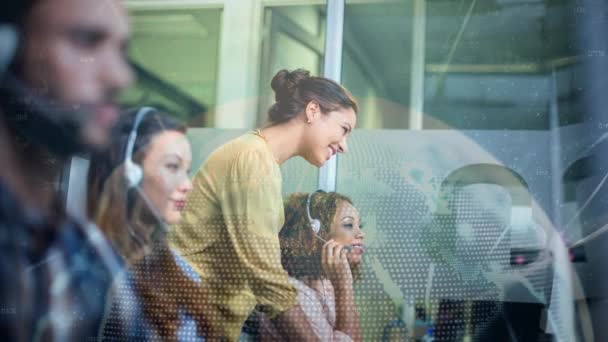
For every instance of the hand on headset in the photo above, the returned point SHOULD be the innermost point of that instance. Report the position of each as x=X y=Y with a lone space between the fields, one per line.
x=315 y=224
x=335 y=264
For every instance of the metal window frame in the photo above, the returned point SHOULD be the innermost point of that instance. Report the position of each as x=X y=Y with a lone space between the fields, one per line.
x=172 y=4
x=275 y=24
x=332 y=69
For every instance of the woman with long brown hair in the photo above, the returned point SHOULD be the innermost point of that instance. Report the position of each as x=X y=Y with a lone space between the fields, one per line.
x=137 y=188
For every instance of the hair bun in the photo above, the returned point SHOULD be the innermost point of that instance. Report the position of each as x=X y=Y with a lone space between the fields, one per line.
x=285 y=83
x=294 y=90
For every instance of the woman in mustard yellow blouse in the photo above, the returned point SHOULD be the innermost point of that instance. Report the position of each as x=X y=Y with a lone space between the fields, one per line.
x=229 y=231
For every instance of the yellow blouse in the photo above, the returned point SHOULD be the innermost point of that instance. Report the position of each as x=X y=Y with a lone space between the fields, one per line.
x=229 y=234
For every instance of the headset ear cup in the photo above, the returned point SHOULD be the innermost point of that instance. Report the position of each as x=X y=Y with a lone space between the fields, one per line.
x=316 y=225
x=134 y=174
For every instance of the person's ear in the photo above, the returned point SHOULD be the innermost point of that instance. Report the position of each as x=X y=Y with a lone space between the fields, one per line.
x=313 y=110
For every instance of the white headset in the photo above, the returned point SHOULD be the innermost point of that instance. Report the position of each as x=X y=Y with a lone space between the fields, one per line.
x=315 y=224
x=133 y=172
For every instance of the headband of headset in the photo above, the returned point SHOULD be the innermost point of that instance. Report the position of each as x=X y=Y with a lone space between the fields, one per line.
x=133 y=172
x=488 y=174
x=315 y=224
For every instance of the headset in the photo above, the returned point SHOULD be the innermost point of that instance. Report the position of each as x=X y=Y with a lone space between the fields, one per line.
x=133 y=172
x=525 y=262
x=315 y=224
x=441 y=244
x=521 y=209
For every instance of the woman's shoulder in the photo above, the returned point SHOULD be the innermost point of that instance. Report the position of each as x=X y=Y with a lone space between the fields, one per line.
x=247 y=148
x=305 y=292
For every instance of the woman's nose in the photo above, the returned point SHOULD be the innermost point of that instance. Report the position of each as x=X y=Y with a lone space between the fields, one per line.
x=360 y=234
x=186 y=185
x=343 y=146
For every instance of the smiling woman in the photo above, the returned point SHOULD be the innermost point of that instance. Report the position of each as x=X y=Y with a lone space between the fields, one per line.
x=231 y=222
x=328 y=109
x=322 y=271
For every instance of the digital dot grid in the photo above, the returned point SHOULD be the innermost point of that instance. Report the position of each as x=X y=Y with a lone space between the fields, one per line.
x=171 y=281
x=463 y=297
x=467 y=289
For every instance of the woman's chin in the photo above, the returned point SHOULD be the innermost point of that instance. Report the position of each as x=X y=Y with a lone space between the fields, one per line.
x=317 y=162
x=354 y=260
x=173 y=218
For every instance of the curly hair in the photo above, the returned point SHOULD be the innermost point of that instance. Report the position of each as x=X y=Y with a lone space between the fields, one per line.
x=300 y=250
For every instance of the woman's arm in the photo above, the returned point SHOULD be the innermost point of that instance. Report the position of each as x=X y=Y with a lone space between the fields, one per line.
x=336 y=268
x=166 y=289
x=252 y=210
x=294 y=325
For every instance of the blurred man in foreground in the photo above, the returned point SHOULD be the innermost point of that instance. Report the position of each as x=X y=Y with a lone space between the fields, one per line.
x=62 y=63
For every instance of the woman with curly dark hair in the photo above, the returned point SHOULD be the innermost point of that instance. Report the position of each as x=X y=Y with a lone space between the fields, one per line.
x=321 y=250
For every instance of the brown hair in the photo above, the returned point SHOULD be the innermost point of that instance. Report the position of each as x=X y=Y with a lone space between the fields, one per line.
x=109 y=202
x=300 y=249
x=295 y=89
x=134 y=232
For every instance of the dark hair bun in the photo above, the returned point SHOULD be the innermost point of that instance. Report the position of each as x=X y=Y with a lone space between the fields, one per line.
x=285 y=83
x=295 y=89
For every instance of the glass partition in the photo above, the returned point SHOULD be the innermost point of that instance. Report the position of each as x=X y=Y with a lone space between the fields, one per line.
x=470 y=225
x=293 y=37
x=377 y=60
x=456 y=231
x=462 y=64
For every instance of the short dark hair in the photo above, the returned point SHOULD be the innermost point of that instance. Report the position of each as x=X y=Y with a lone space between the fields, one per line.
x=295 y=89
